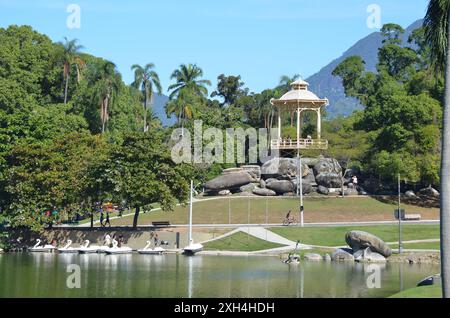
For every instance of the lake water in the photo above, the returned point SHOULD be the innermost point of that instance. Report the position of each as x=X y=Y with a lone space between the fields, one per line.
x=45 y=275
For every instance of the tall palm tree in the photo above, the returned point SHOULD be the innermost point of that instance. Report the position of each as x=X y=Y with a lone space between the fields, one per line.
x=188 y=76
x=285 y=81
x=145 y=78
x=71 y=56
x=437 y=34
x=183 y=107
x=107 y=85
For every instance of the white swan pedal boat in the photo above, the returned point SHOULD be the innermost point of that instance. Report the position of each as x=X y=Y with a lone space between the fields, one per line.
x=87 y=248
x=118 y=250
x=154 y=251
x=41 y=248
x=67 y=248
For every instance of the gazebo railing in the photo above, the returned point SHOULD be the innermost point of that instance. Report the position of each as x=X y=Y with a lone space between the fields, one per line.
x=299 y=144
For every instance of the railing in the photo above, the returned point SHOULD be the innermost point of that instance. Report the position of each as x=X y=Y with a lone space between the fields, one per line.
x=299 y=144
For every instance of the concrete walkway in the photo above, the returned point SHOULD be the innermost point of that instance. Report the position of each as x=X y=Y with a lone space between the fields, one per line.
x=267 y=235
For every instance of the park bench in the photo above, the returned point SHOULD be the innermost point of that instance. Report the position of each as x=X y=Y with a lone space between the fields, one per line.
x=412 y=217
x=161 y=223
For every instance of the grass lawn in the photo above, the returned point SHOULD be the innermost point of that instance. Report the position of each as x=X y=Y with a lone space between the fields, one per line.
x=433 y=291
x=421 y=246
x=240 y=242
x=335 y=236
x=324 y=209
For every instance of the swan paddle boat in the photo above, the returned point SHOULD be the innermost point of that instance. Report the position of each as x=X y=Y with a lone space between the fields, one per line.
x=67 y=248
x=87 y=248
x=42 y=248
x=147 y=250
x=118 y=250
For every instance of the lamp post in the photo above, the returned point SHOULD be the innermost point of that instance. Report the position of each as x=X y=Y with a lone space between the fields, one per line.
x=399 y=217
x=300 y=187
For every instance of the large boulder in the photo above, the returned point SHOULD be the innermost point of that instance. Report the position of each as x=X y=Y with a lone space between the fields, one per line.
x=349 y=191
x=367 y=255
x=286 y=168
x=264 y=192
x=359 y=240
x=329 y=179
x=323 y=190
x=248 y=187
x=311 y=162
x=228 y=181
x=254 y=171
x=306 y=186
x=232 y=170
x=281 y=186
x=430 y=192
x=410 y=194
x=342 y=255
x=312 y=257
x=327 y=165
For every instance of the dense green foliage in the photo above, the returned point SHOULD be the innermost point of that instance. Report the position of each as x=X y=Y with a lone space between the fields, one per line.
x=72 y=133
x=402 y=112
x=65 y=118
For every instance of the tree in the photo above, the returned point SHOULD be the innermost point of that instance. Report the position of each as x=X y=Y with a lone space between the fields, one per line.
x=188 y=76
x=437 y=34
x=107 y=86
x=51 y=175
x=71 y=56
x=184 y=106
x=229 y=88
x=146 y=78
x=286 y=81
x=141 y=172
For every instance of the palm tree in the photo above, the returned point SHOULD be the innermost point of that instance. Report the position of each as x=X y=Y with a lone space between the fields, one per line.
x=145 y=78
x=71 y=56
x=187 y=76
x=107 y=85
x=183 y=107
x=285 y=82
x=437 y=34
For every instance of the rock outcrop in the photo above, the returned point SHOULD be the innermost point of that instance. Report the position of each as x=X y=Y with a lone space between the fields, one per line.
x=228 y=181
x=360 y=240
x=264 y=192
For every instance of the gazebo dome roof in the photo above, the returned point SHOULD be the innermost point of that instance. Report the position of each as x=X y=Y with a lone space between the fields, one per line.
x=300 y=94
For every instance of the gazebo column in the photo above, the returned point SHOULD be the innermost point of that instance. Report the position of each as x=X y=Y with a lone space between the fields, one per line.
x=298 y=127
x=279 y=123
x=319 y=128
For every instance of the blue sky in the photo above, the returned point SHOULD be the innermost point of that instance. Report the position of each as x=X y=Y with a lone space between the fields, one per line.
x=257 y=39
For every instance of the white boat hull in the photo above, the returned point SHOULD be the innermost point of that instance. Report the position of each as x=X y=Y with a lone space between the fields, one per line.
x=152 y=251
x=192 y=249
x=88 y=250
x=119 y=250
x=70 y=250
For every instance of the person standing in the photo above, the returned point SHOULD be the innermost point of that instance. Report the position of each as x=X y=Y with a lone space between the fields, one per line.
x=107 y=219
x=102 y=217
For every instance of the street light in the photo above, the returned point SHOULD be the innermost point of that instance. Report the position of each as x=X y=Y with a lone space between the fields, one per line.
x=300 y=187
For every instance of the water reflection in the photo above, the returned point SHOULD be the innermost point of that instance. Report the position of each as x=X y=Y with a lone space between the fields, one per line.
x=132 y=275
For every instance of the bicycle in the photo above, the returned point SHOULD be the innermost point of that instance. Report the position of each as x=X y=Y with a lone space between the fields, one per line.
x=289 y=221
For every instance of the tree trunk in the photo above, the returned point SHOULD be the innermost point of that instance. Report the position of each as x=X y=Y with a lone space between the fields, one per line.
x=92 y=220
x=145 y=108
x=136 y=216
x=445 y=179
x=66 y=88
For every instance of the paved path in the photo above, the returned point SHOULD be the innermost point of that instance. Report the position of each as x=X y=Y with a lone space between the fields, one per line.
x=267 y=235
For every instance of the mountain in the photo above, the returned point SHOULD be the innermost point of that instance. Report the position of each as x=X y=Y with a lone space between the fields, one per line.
x=159 y=103
x=324 y=84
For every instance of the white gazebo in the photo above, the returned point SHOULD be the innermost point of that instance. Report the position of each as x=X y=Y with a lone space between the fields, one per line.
x=299 y=99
